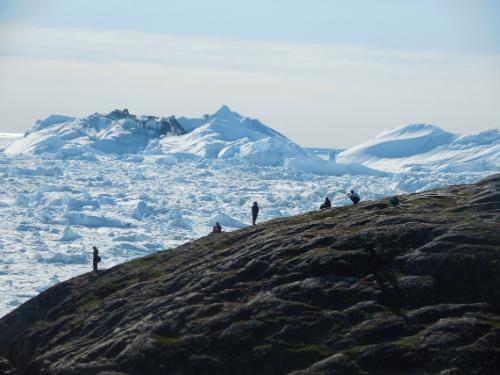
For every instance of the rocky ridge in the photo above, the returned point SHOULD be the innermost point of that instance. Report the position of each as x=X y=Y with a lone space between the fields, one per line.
x=296 y=295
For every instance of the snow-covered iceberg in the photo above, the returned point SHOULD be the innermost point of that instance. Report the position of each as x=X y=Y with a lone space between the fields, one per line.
x=117 y=132
x=427 y=147
x=226 y=134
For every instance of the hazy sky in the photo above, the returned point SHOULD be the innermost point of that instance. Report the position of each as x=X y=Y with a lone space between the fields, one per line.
x=324 y=72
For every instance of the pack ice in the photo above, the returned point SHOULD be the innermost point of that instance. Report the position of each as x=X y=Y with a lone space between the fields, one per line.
x=132 y=185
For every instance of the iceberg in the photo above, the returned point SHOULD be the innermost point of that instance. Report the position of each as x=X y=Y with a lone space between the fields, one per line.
x=117 y=132
x=226 y=134
x=428 y=147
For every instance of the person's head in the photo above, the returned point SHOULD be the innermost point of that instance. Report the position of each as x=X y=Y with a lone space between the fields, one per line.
x=217 y=224
x=255 y=203
x=95 y=249
x=352 y=191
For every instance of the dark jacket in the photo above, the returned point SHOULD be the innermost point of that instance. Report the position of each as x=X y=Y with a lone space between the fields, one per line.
x=255 y=210
x=326 y=204
x=96 y=258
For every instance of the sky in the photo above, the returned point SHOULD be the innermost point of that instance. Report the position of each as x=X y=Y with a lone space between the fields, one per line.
x=325 y=73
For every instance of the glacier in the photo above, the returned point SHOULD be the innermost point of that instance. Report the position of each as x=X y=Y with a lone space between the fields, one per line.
x=132 y=185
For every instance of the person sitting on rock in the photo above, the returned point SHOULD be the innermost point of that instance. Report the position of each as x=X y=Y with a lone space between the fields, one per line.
x=255 y=212
x=217 y=228
x=96 y=258
x=326 y=204
x=354 y=197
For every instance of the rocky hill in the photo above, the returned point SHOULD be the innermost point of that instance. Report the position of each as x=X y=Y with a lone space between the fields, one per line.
x=303 y=294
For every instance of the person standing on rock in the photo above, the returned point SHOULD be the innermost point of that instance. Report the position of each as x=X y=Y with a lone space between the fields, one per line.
x=354 y=197
x=96 y=258
x=326 y=204
x=255 y=212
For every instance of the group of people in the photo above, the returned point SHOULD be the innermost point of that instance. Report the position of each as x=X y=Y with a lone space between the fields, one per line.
x=217 y=228
x=353 y=196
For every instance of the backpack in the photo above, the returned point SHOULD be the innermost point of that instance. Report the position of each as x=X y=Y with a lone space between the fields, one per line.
x=98 y=259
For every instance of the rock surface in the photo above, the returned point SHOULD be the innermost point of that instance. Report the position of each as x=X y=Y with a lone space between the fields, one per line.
x=297 y=295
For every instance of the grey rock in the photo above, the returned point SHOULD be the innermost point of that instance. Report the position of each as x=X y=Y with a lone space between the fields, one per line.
x=294 y=295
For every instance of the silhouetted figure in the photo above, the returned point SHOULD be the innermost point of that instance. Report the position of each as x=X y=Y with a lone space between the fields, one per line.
x=217 y=228
x=394 y=201
x=326 y=204
x=96 y=258
x=354 y=197
x=255 y=212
